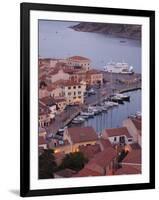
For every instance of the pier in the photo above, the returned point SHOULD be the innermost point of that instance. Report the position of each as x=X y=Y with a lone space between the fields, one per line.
x=107 y=89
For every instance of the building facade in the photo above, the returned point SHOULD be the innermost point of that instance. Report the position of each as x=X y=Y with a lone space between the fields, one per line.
x=74 y=92
x=79 y=62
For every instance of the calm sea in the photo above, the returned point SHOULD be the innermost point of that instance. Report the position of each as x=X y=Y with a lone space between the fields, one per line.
x=57 y=40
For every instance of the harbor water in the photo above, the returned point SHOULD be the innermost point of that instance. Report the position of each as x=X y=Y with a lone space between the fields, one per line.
x=114 y=117
x=57 y=40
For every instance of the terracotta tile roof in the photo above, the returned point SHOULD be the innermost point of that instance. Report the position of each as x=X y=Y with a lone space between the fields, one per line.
x=65 y=173
x=105 y=143
x=70 y=71
x=41 y=140
x=87 y=172
x=124 y=170
x=43 y=109
x=94 y=71
x=90 y=150
x=65 y=70
x=118 y=132
x=58 y=100
x=51 y=87
x=95 y=167
x=60 y=82
x=79 y=58
x=72 y=83
x=133 y=157
x=48 y=101
x=82 y=134
x=104 y=158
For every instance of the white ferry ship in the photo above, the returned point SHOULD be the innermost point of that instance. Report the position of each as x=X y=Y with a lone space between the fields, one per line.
x=120 y=67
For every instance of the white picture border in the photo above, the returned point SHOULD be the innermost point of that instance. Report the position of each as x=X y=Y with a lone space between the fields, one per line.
x=35 y=183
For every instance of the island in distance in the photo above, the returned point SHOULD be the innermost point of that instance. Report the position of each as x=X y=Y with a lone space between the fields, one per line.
x=118 y=30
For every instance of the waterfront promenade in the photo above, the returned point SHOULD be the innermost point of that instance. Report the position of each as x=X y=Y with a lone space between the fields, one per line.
x=113 y=85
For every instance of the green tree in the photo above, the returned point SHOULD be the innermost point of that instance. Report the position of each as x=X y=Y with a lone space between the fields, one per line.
x=47 y=164
x=74 y=161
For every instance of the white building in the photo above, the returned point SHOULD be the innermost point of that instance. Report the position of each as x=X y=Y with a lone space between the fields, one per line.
x=134 y=127
x=118 y=135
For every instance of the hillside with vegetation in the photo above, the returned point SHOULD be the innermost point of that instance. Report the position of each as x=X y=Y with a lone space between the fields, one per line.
x=117 y=30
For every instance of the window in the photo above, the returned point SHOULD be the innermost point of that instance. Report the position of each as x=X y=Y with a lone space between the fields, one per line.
x=79 y=92
x=114 y=139
x=79 y=97
x=74 y=87
x=69 y=93
x=122 y=139
x=74 y=93
x=74 y=97
x=69 y=87
x=79 y=86
x=129 y=140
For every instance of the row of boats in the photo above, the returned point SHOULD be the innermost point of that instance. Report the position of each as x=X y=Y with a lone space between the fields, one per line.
x=91 y=111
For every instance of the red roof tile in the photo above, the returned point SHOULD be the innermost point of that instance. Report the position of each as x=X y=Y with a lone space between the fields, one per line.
x=82 y=134
x=133 y=157
x=72 y=83
x=58 y=100
x=125 y=170
x=94 y=71
x=48 y=101
x=105 y=143
x=87 y=172
x=51 y=87
x=78 y=58
x=90 y=150
x=118 y=132
x=105 y=157
x=43 y=109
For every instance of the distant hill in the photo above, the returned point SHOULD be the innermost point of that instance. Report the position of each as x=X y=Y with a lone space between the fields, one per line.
x=118 y=30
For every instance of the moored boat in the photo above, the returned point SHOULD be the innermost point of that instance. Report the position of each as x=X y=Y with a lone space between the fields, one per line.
x=78 y=120
x=117 y=99
x=89 y=114
x=122 y=96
